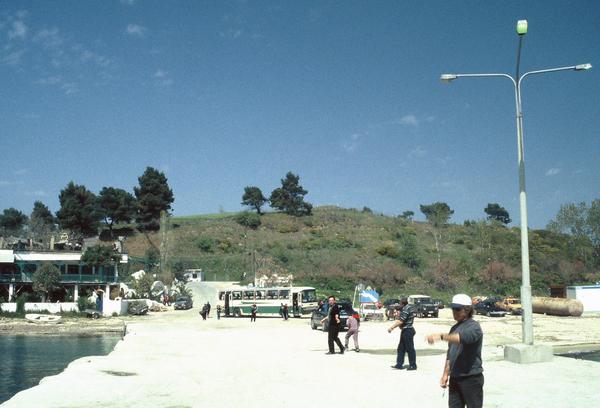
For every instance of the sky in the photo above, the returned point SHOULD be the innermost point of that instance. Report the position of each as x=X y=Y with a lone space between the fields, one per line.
x=220 y=95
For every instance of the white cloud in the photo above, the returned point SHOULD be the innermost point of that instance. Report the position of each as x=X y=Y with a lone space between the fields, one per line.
x=49 y=38
x=135 y=30
x=37 y=193
x=417 y=152
x=18 y=30
x=128 y=2
x=14 y=58
x=352 y=143
x=408 y=120
x=162 y=78
x=552 y=172
x=51 y=80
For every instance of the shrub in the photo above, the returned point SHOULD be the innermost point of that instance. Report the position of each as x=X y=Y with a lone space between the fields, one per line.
x=21 y=299
x=84 y=303
x=388 y=249
x=205 y=244
x=248 y=219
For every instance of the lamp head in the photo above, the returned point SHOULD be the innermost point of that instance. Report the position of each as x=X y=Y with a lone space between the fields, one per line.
x=583 y=67
x=522 y=27
x=447 y=78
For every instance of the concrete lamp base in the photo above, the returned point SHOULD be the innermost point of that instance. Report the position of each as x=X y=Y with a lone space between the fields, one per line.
x=527 y=354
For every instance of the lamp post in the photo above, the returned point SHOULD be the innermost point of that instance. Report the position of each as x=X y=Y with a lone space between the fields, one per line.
x=516 y=81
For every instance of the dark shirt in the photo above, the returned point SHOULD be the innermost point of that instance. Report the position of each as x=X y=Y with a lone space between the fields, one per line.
x=465 y=358
x=407 y=316
x=333 y=310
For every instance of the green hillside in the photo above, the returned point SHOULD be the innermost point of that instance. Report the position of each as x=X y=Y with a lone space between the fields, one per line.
x=335 y=248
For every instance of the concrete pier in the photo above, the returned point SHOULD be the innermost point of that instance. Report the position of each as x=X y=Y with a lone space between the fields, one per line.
x=174 y=359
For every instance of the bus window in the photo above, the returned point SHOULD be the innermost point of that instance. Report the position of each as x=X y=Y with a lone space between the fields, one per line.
x=221 y=294
x=237 y=295
x=284 y=294
x=260 y=294
x=249 y=295
x=309 y=295
x=272 y=294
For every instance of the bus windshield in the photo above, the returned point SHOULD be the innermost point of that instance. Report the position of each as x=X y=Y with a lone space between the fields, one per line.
x=309 y=295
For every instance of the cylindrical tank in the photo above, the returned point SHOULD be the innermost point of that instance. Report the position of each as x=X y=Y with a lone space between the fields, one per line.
x=557 y=306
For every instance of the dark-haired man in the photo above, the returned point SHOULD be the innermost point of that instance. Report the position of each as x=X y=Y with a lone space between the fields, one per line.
x=404 y=319
x=463 y=369
x=333 y=328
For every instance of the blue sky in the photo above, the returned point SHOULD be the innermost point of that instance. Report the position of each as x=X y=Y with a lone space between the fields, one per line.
x=223 y=95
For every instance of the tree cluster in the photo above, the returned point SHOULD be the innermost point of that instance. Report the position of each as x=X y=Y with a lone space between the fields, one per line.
x=82 y=212
x=289 y=198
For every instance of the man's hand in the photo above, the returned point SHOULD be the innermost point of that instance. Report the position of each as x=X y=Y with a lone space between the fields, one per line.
x=338 y=320
x=390 y=329
x=432 y=338
x=444 y=381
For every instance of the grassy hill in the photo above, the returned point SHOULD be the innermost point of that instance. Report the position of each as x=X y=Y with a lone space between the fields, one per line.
x=336 y=248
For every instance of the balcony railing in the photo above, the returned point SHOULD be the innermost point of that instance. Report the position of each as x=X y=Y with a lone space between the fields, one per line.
x=25 y=277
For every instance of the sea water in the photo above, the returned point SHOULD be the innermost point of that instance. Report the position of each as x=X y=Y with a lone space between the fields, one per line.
x=587 y=355
x=25 y=360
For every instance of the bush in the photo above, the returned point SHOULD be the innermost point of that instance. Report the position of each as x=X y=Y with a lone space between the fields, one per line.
x=205 y=244
x=84 y=303
x=388 y=249
x=21 y=299
x=248 y=219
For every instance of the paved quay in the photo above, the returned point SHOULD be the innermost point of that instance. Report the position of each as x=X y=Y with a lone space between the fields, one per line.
x=174 y=359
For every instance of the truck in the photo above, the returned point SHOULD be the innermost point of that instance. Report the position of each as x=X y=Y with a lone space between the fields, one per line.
x=423 y=305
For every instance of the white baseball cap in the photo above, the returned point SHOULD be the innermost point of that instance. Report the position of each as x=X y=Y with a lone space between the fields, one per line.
x=461 y=300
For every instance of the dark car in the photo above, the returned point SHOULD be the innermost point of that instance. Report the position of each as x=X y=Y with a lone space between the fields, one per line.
x=488 y=307
x=439 y=303
x=390 y=306
x=183 y=303
x=319 y=314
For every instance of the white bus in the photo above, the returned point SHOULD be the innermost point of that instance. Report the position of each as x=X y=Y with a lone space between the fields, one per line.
x=237 y=300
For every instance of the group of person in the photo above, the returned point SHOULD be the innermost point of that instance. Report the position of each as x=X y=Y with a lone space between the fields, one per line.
x=463 y=370
x=205 y=311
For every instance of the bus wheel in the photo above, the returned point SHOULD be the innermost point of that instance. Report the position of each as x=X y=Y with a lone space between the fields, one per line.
x=236 y=313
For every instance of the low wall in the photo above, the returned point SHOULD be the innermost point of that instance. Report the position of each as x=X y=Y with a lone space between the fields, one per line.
x=109 y=307
x=39 y=307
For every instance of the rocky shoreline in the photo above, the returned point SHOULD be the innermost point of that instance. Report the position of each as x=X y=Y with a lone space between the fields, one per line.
x=78 y=326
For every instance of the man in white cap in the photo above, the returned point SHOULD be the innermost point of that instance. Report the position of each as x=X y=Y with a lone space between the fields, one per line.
x=463 y=370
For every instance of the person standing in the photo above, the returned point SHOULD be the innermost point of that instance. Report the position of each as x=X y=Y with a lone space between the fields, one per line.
x=285 y=311
x=404 y=320
x=218 y=312
x=207 y=309
x=333 y=328
x=353 y=324
x=253 y=310
x=463 y=369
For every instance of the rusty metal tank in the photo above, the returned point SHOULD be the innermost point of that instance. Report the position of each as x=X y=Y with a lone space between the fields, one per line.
x=557 y=306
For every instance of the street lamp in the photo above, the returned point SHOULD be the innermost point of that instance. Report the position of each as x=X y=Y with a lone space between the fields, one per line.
x=516 y=81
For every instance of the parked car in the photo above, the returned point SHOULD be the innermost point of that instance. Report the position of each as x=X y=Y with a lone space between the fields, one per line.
x=488 y=307
x=424 y=305
x=511 y=305
x=370 y=311
x=137 y=308
x=439 y=303
x=318 y=315
x=183 y=303
x=390 y=306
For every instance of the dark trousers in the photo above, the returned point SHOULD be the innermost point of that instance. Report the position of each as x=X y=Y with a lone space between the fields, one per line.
x=407 y=345
x=466 y=391
x=253 y=317
x=333 y=337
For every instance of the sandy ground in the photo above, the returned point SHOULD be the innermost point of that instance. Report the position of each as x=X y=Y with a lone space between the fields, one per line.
x=174 y=359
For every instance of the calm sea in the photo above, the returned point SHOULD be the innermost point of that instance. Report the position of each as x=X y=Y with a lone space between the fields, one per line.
x=588 y=355
x=25 y=360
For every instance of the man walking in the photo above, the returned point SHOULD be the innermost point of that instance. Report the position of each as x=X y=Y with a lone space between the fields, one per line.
x=333 y=316
x=463 y=366
x=404 y=320
x=253 y=310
